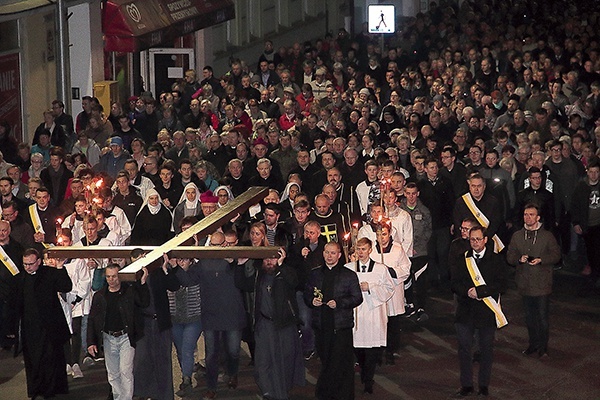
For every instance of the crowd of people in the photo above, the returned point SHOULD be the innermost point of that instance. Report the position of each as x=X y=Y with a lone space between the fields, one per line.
x=394 y=172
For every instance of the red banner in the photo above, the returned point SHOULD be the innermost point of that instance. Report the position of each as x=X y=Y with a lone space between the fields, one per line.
x=10 y=93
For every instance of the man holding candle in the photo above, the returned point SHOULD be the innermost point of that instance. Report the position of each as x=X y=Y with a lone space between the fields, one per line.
x=42 y=217
x=369 y=333
x=392 y=255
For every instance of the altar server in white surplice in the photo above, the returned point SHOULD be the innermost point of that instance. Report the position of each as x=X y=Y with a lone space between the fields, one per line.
x=398 y=264
x=370 y=318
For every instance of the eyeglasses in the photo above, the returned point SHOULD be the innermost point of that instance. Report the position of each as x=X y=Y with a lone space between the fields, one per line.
x=7 y=215
x=476 y=239
x=30 y=264
x=465 y=228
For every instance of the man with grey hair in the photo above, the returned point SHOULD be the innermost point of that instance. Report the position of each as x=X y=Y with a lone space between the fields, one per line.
x=320 y=83
x=264 y=177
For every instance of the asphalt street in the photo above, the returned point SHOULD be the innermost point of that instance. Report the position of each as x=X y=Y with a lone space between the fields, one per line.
x=426 y=367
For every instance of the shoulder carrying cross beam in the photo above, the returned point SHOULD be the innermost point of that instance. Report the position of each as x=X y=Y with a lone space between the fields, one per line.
x=179 y=245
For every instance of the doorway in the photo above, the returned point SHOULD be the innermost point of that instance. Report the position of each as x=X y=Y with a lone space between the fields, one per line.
x=167 y=66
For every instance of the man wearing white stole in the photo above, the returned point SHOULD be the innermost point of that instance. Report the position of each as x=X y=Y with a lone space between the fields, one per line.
x=370 y=318
x=479 y=280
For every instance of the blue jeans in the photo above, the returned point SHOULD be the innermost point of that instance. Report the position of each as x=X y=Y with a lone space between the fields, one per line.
x=185 y=337
x=536 y=317
x=212 y=344
x=464 y=333
x=308 y=336
x=118 y=358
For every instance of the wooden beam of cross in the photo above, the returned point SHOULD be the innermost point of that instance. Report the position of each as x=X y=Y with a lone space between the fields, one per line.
x=201 y=230
x=178 y=252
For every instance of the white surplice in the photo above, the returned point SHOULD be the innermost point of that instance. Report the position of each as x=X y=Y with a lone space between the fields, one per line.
x=397 y=260
x=370 y=318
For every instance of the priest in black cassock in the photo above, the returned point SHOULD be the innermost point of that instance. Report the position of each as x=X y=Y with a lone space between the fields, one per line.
x=333 y=291
x=44 y=329
x=278 y=354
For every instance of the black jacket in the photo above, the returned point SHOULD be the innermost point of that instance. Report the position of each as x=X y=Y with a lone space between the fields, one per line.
x=132 y=298
x=347 y=295
x=439 y=199
x=159 y=283
x=494 y=272
x=283 y=293
x=580 y=210
x=304 y=265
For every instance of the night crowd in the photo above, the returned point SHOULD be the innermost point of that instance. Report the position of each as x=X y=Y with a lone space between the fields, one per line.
x=463 y=148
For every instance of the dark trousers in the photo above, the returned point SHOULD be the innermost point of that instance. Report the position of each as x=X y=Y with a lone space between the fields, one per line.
x=592 y=245
x=465 y=333
x=336 y=379
x=393 y=334
x=73 y=346
x=415 y=290
x=367 y=359
x=536 y=317
x=564 y=232
x=437 y=251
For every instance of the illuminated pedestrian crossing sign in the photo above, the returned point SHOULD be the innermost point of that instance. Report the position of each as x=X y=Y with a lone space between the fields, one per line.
x=382 y=18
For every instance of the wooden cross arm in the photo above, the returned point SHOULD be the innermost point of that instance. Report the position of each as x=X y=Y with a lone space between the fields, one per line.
x=201 y=229
x=94 y=251
x=178 y=252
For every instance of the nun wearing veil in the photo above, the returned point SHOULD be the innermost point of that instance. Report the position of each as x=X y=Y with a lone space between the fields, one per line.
x=188 y=206
x=153 y=225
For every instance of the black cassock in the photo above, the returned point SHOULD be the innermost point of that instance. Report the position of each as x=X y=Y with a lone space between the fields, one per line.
x=44 y=330
x=278 y=357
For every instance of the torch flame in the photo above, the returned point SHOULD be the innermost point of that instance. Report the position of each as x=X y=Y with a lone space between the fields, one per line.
x=99 y=183
x=346 y=236
x=59 y=221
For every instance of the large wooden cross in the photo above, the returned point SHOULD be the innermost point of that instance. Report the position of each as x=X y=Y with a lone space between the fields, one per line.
x=179 y=246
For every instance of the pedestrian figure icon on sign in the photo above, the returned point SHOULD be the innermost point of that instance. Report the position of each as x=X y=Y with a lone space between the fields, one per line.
x=382 y=18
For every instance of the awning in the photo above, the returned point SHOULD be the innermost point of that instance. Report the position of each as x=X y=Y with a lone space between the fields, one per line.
x=17 y=6
x=131 y=26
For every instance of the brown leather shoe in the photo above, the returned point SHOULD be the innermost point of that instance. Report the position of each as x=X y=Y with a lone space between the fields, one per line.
x=233 y=382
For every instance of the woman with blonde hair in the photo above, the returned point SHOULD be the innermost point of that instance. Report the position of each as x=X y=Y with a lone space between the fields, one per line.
x=509 y=165
x=258 y=238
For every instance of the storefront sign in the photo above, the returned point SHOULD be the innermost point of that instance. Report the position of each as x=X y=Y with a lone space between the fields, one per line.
x=10 y=93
